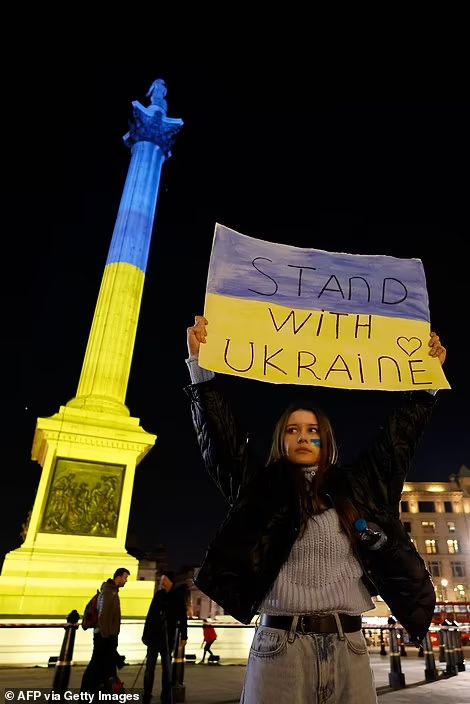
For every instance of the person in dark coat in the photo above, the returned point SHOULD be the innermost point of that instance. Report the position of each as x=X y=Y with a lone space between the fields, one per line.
x=166 y=614
x=289 y=548
x=100 y=673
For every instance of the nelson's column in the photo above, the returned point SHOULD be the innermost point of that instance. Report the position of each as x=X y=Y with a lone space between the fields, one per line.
x=90 y=448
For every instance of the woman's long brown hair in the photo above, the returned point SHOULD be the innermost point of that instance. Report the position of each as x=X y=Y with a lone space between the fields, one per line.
x=312 y=499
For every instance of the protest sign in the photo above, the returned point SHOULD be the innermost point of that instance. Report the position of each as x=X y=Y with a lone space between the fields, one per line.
x=294 y=315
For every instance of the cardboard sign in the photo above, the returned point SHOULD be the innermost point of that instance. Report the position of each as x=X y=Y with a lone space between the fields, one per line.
x=292 y=315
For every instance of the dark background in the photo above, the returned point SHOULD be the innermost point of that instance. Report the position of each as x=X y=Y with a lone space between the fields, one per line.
x=336 y=160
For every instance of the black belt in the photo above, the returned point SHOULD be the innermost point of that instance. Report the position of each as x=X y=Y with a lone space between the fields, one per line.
x=314 y=623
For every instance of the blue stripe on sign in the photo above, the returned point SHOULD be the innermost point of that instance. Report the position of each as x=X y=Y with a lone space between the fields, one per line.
x=312 y=279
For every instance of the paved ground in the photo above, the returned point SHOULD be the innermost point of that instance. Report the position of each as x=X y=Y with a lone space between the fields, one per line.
x=221 y=684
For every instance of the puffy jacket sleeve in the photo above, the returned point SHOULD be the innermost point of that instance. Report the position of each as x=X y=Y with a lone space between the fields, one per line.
x=382 y=470
x=222 y=443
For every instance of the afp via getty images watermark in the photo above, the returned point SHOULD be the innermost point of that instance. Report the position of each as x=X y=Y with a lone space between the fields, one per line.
x=40 y=696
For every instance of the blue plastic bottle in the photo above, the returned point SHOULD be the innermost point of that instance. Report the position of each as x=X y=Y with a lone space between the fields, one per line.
x=370 y=534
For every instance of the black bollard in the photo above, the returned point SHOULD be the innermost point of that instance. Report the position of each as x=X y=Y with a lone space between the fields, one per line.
x=396 y=678
x=64 y=663
x=430 y=669
x=459 y=656
x=382 y=643
x=451 y=666
x=177 y=671
x=442 y=646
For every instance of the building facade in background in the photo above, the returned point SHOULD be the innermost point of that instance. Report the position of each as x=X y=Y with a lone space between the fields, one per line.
x=437 y=517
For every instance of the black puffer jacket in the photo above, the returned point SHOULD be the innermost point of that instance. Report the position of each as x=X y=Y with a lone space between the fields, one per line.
x=263 y=523
x=166 y=613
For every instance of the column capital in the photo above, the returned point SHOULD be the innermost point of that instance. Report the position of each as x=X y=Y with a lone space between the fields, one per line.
x=150 y=124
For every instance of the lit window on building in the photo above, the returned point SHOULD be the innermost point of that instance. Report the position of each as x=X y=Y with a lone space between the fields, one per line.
x=428 y=526
x=452 y=546
x=451 y=526
x=462 y=594
x=431 y=546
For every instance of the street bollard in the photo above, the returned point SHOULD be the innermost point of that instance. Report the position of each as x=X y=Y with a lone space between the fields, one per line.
x=396 y=678
x=442 y=647
x=430 y=669
x=451 y=666
x=64 y=663
x=459 y=656
x=382 y=643
x=177 y=673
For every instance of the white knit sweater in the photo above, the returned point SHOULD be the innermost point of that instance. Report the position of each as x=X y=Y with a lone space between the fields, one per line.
x=320 y=575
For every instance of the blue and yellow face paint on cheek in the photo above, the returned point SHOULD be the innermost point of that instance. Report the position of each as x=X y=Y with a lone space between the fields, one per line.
x=316 y=442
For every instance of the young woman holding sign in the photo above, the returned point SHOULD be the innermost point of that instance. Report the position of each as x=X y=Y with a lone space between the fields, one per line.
x=289 y=549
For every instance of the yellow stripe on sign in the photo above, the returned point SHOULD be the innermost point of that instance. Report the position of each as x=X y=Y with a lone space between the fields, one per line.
x=321 y=348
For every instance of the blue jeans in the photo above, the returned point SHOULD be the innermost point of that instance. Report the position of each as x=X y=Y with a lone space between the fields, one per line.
x=291 y=668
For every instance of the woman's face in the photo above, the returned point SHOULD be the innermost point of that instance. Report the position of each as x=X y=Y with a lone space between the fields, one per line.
x=299 y=438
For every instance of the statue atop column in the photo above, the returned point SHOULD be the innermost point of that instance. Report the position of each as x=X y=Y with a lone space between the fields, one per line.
x=150 y=123
x=156 y=93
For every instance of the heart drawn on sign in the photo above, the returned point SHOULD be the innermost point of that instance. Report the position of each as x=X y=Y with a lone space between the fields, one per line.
x=409 y=345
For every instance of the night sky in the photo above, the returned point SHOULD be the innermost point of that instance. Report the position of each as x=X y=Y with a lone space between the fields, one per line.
x=370 y=167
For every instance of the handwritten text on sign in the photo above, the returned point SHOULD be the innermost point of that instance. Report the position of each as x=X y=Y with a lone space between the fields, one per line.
x=304 y=316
